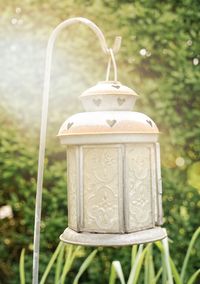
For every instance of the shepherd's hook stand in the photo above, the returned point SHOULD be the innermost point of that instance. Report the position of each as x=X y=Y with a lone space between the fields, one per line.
x=47 y=75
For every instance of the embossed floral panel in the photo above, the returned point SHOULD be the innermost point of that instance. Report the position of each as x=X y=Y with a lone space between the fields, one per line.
x=102 y=188
x=139 y=212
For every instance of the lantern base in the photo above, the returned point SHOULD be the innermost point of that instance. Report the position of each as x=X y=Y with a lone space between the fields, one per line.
x=113 y=240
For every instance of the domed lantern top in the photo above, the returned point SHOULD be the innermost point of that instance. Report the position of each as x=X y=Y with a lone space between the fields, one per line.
x=108 y=105
x=108 y=95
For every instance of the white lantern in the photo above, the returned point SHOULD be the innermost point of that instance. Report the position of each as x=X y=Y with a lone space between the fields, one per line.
x=113 y=164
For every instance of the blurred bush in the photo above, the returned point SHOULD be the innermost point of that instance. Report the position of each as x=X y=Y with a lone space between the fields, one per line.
x=160 y=57
x=18 y=166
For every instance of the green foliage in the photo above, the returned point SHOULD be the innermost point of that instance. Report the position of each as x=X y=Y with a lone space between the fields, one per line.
x=18 y=165
x=64 y=254
x=186 y=260
x=142 y=258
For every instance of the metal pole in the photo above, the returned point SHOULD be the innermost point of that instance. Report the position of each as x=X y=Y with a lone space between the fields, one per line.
x=43 y=128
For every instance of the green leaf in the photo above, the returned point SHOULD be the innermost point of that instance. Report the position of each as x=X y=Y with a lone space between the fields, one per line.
x=194 y=277
x=167 y=260
x=167 y=273
x=186 y=259
x=70 y=256
x=116 y=270
x=59 y=265
x=84 y=266
x=133 y=254
x=149 y=267
x=135 y=270
x=175 y=273
x=51 y=262
x=158 y=274
x=164 y=272
x=21 y=267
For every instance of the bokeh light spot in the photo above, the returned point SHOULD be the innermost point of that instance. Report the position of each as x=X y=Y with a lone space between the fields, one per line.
x=18 y=10
x=180 y=162
x=143 y=52
x=7 y=241
x=195 y=61
x=189 y=42
x=13 y=21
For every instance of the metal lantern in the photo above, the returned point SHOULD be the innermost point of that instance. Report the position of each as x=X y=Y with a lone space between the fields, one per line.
x=114 y=178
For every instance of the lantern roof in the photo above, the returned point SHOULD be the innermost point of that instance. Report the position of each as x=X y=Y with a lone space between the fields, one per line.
x=109 y=88
x=108 y=122
x=108 y=107
x=108 y=95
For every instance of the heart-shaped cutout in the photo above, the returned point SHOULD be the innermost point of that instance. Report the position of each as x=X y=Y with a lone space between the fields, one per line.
x=120 y=101
x=69 y=125
x=111 y=123
x=97 y=102
x=116 y=86
x=149 y=122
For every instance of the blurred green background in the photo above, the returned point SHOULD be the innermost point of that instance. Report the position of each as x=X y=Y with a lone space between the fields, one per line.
x=159 y=58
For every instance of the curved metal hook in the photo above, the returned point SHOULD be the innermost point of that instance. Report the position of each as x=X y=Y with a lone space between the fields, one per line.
x=91 y=25
x=43 y=129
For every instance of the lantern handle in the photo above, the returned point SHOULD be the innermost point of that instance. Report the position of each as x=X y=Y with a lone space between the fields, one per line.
x=43 y=129
x=111 y=59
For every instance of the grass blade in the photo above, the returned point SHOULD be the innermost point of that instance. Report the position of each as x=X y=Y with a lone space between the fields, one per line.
x=175 y=273
x=149 y=276
x=84 y=266
x=158 y=275
x=164 y=273
x=59 y=265
x=192 y=242
x=69 y=261
x=164 y=269
x=51 y=262
x=21 y=267
x=167 y=272
x=151 y=266
x=133 y=254
x=167 y=260
x=194 y=277
x=116 y=270
x=113 y=275
x=139 y=265
x=135 y=271
x=146 y=268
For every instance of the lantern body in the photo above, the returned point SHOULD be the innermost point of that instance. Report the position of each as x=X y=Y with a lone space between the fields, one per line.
x=114 y=179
